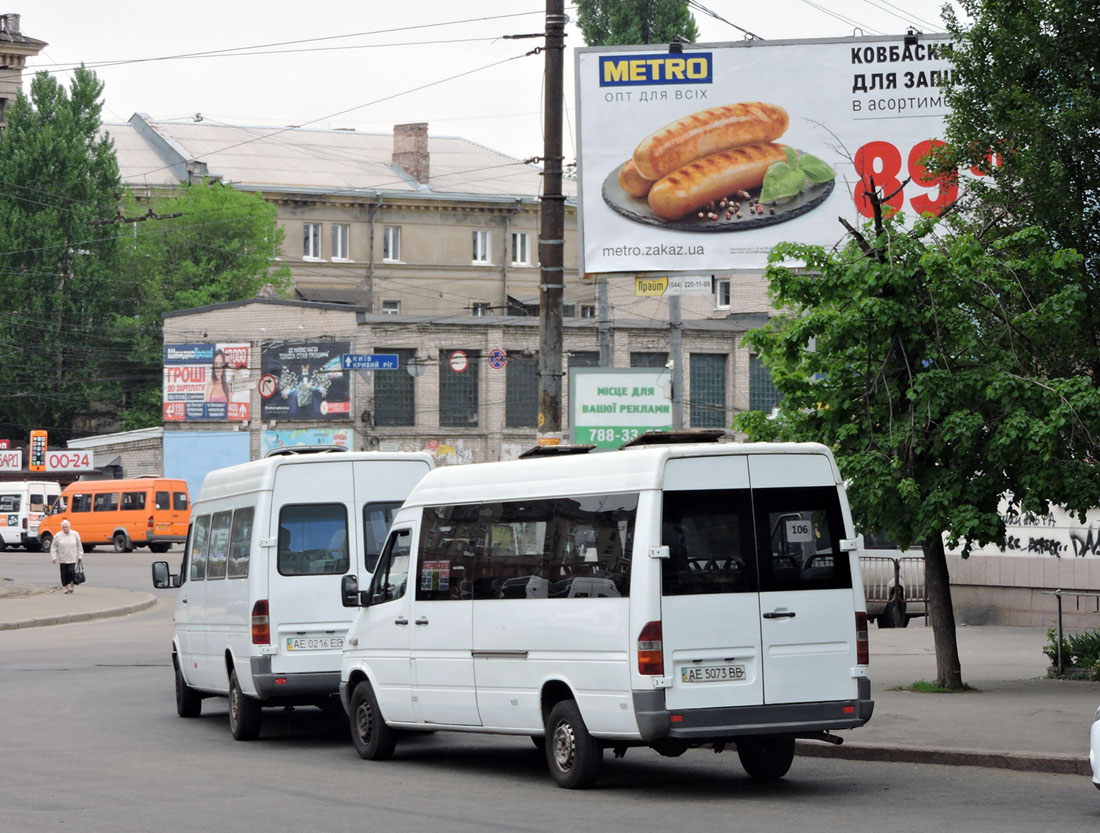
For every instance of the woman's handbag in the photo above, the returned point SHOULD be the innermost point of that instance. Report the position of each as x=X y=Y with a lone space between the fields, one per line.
x=78 y=572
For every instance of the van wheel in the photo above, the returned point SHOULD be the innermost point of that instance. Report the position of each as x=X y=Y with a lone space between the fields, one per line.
x=188 y=701
x=121 y=543
x=893 y=615
x=244 y=712
x=572 y=755
x=160 y=547
x=373 y=739
x=766 y=758
x=87 y=547
x=45 y=541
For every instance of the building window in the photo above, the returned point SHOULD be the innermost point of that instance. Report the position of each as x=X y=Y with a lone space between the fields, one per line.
x=458 y=388
x=722 y=294
x=521 y=248
x=588 y=311
x=481 y=309
x=481 y=246
x=649 y=359
x=391 y=244
x=394 y=403
x=521 y=403
x=391 y=307
x=584 y=358
x=762 y=393
x=311 y=240
x=340 y=241
x=568 y=310
x=708 y=390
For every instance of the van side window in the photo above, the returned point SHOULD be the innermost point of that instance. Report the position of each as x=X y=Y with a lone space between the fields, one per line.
x=798 y=537
x=240 y=542
x=133 y=500
x=197 y=553
x=81 y=503
x=449 y=536
x=10 y=503
x=179 y=501
x=710 y=542
x=313 y=539
x=217 y=554
x=377 y=518
x=105 y=502
x=390 y=579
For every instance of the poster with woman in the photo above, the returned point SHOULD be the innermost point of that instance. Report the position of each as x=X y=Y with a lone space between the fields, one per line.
x=210 y=382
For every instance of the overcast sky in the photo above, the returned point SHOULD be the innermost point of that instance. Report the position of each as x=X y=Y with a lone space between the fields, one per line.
x=369 y=64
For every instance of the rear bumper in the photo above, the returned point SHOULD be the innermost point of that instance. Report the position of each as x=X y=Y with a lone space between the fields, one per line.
x=270 y=685
x=165 y=539
x=654 y=720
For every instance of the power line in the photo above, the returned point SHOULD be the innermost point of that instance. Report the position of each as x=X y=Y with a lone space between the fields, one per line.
x=700 y=7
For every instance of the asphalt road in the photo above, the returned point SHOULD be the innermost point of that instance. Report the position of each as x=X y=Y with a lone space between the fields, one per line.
x=91 y=742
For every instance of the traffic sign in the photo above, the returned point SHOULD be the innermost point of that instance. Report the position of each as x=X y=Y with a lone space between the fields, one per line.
x=497 y=359
x=267 y=385
x=367 y=361
x=459 y=361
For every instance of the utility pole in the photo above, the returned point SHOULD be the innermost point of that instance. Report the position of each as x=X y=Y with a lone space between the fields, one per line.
x=676 y=354
x=552 y=232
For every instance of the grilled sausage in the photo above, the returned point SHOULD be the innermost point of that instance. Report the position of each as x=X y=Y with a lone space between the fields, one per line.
x=691 y=187
x=633 y=182
x=707 y=132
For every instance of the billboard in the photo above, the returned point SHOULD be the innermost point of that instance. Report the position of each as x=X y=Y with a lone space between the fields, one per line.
x=207 y=382
x=608 y=407
x=705 y=160
x=272 y=440
x=304 y=381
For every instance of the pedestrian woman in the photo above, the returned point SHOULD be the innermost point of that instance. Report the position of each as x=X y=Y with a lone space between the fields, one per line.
x=67 y=549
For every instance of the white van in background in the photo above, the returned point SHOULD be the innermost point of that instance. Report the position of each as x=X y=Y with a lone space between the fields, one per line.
x=22 y=505
x=670 y=596
x=258 y=616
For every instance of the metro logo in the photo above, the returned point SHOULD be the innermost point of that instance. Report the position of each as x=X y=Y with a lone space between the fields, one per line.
x=635 y=70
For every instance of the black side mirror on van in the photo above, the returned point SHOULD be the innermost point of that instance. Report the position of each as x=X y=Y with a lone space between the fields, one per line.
x=162 y=579
x=349 y=592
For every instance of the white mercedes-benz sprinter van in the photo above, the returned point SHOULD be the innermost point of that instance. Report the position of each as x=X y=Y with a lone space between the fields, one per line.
x=670 y=596
x=258 y=615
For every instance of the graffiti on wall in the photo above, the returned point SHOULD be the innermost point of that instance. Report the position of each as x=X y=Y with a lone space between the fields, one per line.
x=1055 y=534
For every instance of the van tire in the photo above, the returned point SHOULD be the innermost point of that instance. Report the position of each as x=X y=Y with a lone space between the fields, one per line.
x=244 y=712
x=766 y=757
x=159 y=547
x=45 y=541
x=373 y=739
x=573 y=756
x=188 y=701
x=122 y=544
x=893 y=615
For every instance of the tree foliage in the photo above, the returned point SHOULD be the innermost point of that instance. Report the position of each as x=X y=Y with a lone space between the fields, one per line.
x=620 y=22
x=58 y=270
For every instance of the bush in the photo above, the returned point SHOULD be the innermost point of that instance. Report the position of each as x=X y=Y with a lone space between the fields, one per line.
x=1080 y=652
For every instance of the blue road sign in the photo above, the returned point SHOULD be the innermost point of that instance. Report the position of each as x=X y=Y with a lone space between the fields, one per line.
x=366 y=361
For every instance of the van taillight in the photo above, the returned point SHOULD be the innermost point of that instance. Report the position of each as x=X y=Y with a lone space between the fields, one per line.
x=24 y=523
x=261 y=629
x=863 y=647
x=149 y=523
x=651 y=652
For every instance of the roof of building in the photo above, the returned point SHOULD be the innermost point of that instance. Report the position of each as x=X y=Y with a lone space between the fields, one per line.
x=308 y=160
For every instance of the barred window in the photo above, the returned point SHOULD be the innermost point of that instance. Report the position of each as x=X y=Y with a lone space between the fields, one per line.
x=458 y=403
x=394 y=391
x=648 y=359
x=762 y=393
x=708 y=390
x=521 y=407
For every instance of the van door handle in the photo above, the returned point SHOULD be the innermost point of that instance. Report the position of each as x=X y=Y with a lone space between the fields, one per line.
x=777 y=614
x=422 y=621
x=401 y=621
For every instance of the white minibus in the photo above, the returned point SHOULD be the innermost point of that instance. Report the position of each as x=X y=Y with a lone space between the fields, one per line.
x=258 y=618
x=23 y=504
x=670 y=596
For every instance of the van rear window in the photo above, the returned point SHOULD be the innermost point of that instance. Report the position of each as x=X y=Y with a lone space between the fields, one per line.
x=313 y=539
x=711 y=548
x=179 y=501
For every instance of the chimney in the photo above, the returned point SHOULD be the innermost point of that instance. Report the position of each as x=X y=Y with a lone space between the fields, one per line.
x=410 y=150
x=9 y=23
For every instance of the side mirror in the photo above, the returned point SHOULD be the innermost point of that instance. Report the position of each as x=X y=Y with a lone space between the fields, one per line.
x=161 y=578
x=349 y=591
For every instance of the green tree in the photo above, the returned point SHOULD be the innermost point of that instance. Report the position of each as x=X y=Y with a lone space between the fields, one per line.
x=204 y=244
x=614 y=22
x=913 y=356
x=58 y=270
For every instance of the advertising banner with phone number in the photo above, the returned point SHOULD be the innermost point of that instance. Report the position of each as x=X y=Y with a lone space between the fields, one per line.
x=705 y=160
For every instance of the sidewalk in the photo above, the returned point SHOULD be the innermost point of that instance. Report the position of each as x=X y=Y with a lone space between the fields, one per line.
x=1015 y=719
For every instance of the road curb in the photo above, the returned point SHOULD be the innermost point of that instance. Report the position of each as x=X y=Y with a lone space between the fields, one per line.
x=41 y=621
x=1052 y=763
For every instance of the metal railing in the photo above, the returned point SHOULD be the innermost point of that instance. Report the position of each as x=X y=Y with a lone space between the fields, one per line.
x=1060 y=664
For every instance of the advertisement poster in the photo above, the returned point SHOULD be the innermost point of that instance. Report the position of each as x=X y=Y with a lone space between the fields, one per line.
x=210 y=382
x=309 y=382
x=271 y=440
x=705 y=160
x=610 y=407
